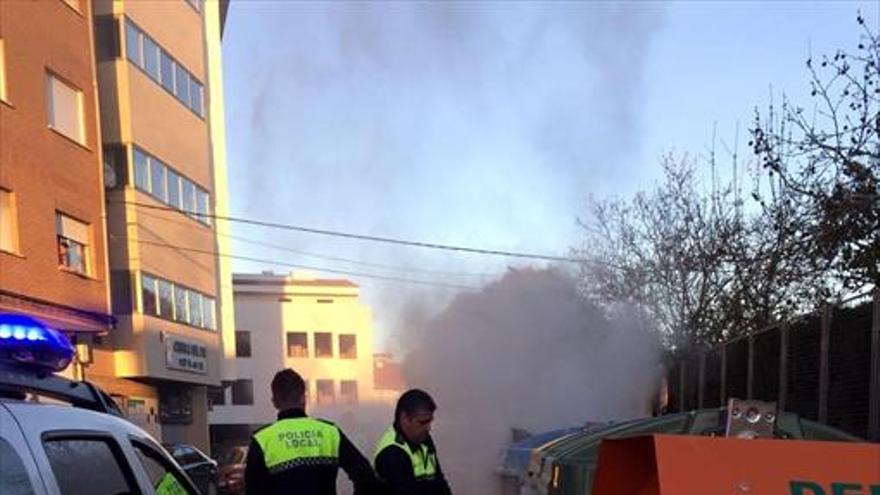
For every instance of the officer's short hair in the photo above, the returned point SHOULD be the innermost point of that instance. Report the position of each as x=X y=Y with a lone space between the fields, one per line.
x=288 y=386
x=413 y=401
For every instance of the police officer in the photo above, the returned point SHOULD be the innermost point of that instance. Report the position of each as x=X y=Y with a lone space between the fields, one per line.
x=302 y=455
x=406 y=459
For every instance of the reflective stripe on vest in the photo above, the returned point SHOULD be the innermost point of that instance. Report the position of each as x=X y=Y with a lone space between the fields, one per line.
x=424 y=463
x=169 y=485
x=294 y=442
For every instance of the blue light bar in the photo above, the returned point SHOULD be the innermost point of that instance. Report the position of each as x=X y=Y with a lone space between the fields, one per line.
x=26 y=340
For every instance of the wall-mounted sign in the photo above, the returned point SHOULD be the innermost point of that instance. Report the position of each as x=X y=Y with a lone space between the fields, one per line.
x=185 y=355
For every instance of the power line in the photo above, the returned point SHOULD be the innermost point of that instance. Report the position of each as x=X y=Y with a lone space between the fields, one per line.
x=355 y=262
x=384 y=278
x=399 y=268
x=362 y=237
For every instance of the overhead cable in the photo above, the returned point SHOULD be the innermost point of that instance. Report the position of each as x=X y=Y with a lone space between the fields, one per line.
x=371 y=238
x=373 y=276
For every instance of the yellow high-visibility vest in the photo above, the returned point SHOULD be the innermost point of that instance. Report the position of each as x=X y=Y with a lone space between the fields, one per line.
x=294 y=442
x=169 y=485
x=424 y=463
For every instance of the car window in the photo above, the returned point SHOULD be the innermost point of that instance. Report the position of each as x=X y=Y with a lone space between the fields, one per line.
x=76 y=463
x=164 y=478
x=13 y=476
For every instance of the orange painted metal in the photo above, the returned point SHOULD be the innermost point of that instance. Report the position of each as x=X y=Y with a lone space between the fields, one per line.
x=683 y=465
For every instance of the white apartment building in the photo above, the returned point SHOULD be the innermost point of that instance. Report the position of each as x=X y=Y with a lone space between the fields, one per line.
x=316 y=326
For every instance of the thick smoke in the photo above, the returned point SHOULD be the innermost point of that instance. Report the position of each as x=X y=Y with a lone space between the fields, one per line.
x=526 y=352
x=447 y=121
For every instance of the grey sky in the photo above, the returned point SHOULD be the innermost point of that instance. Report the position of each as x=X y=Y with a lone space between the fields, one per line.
x=485 y=123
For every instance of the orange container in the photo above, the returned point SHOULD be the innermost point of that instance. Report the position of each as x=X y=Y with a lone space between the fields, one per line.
x=684 y=465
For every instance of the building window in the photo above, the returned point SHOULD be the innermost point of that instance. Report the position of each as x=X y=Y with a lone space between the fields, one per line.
x=151 y=58
x=202 y=207
x=348 y=346
x=72 y=254
x=242 y=344
x=196 y=98
x=242 y=392
x=195 y=309
x=8 y=222
x=173 y=186
x=181 y=84
x=297 y=344
x=348 y=392
x=73 y=244
x=165 y=184
x=208 y=313
x=148 y=295
x=326 y=394
x=65 y=109
x=188 y=191
x=133 y=43
x=161 y=67
x=157 y=180
x=141 y=171
x=216 y=396
x=323 y=344
x=181 y=308
x=166 y=69
x=166 y=299
x=3 y=70
x=170 y=301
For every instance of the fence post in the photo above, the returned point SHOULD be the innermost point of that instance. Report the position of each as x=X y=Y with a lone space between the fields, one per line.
x=723 y=374
x=874 y=400
x=681 y=391
x=824 y=344
x=750 y=367
x=701 y=392
x=783 y=366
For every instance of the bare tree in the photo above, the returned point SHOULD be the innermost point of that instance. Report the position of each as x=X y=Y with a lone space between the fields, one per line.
x=707 y=264
x=703 y=263
x=664 y=252
x=774 y=277
x=827 y=161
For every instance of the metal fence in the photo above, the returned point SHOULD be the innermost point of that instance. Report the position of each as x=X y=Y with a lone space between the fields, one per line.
x=824 y=367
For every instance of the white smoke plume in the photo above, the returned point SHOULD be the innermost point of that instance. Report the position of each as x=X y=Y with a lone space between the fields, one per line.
x=526 y=352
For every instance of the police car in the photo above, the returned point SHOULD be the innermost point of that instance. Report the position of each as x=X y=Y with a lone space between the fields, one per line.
x=77 y=444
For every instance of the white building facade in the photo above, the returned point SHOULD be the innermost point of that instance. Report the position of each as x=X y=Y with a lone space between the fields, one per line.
x=316 y=326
